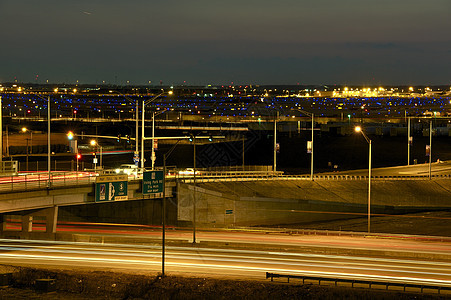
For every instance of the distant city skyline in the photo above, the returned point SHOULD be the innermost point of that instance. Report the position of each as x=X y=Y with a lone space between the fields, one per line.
x=288 y=42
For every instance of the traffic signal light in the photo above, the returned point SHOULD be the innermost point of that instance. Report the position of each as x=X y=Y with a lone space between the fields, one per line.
x=128 y=139
x=78 y=156
x=70 y=135
x=118 y=138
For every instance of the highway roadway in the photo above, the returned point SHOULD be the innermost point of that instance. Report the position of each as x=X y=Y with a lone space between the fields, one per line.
x=263 y=253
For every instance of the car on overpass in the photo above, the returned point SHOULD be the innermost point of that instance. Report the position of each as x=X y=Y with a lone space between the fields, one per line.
x=129 y=169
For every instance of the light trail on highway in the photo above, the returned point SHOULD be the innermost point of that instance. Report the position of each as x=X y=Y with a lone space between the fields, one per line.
x=234 y=263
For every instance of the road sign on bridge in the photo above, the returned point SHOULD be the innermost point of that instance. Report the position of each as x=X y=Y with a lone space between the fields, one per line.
x=111 y=188
x=152 y=182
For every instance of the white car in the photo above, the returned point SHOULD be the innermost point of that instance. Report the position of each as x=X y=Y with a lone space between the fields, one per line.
x=128 y=169
x=188 y=171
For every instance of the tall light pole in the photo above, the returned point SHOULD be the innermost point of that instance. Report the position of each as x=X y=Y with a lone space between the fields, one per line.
x=275 y=142
x=311 y=145
x=142 y=124
x=95 y=144
x=163 y=207
x=430 y=150
x=1 y=132
x=49 y=183
x=409 y=141
x=194 y=191
x=153 y=157
x=359 y=129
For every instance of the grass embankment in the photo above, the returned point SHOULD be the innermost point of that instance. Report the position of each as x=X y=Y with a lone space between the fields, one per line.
x=119 y=285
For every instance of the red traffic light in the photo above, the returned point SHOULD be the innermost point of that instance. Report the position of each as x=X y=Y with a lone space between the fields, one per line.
x=78 y=156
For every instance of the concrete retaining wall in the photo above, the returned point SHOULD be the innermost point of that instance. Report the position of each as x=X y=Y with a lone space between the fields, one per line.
x=297 y=201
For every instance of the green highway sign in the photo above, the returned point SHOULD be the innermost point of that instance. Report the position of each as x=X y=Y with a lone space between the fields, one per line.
x=152 y=182
x=111 y=188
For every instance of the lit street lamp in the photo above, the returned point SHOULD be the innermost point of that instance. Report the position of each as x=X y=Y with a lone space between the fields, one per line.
x=359 y=129
x=24 y=130
x=94 y=143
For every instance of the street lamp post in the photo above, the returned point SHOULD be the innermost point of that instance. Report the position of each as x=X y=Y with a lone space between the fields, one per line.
x=48 y=143
x=142 y=124
x=275 y=141
x=359 y=129
x=163 y=208
x=1 y=132
x=153 y=157
x=194 y=190
x=94 y=143
x=311 y=150
x=24 y=130
x=430 y=150
x=409 y=141
x=49 y=183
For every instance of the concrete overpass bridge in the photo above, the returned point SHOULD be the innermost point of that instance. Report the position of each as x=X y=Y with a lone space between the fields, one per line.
x=223 y=198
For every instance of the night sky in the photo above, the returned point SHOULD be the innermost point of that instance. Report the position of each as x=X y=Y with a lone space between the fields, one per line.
x=200 y=42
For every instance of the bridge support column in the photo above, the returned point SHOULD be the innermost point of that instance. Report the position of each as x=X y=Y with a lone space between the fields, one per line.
x=51 y=218
x=2 y=224
x=27 y=223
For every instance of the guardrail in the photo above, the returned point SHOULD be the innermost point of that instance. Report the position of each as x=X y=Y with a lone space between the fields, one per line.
x=208 y=176
x=370 y=283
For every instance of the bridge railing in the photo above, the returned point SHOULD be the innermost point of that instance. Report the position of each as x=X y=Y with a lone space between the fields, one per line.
x=41 y=180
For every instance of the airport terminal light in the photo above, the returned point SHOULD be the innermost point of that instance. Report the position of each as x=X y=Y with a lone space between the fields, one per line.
x=359 y=129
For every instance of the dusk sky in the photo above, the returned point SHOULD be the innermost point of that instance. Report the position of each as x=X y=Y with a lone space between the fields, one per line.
x=199 y=42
